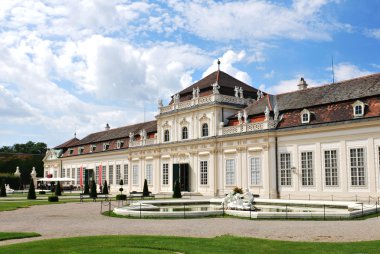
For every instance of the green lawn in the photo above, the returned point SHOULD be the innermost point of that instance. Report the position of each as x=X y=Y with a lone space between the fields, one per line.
x=163 y=244
x=16 y=235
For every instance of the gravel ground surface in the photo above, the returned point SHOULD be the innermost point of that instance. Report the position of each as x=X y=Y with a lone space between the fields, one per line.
x=83 y=219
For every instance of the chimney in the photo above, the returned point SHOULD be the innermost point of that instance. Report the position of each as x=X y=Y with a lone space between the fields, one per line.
x=107 y=127
x=302 y=84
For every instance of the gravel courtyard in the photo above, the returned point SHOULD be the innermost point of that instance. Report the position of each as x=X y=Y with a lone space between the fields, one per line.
x=82 y=219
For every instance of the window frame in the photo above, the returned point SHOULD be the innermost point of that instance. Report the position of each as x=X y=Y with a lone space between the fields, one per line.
x=230 y=172
x=307 y=168
x=166 y=135
x=149 y=173
x=165 y=174
x=203 y=172
x=286 y=177
x=307 y=113
x=204 y=130
x=255 y=174
x=135 y=174
x=330 y=169
x=185 y=133
x=359 y=178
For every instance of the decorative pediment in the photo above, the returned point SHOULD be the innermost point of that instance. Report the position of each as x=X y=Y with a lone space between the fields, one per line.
x=204 y=118
x=184 y=122
x=166 y=125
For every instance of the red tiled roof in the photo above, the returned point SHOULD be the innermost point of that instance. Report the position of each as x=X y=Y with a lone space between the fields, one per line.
x=67 y=144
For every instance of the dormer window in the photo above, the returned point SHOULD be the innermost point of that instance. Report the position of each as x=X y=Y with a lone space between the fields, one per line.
x=119 y=144
x=358 y=108
x=305 y=116
x=71 y=151
x=106 y=146
x=92 y=148
x=80 y=150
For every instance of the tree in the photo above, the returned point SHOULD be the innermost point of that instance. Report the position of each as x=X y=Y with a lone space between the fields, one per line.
x=3 y=191
x=93 y=192
x=177 y=190
x=32 y=191
x=145 y=189
x=105 y=187
x=58 y=189
x=86 y=188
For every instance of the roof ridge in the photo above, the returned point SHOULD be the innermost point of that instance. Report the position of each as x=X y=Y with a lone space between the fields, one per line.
x=331 y=84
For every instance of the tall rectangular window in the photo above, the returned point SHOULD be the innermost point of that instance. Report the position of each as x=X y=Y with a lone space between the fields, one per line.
x=165 y=174
x=68 y=173
x=149 y=173
x=285 y=170
x=135 y=174
x=307 y=168
x=110 y=174
x=104 y=173
x=126 y=174
x=204 y=173
x=78 y=176
x=357 y=166
x=97 y=174
x=255 y=168
x=117 y=174
x=331 y=168
x=230 y=172
x=63 y=171
x=73 y=174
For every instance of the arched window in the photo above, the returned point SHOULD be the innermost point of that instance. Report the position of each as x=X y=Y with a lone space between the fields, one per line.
x=166 y=136
x=184 y=133
x=205 y=130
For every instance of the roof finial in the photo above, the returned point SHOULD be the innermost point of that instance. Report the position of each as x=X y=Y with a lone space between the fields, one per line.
x=75 y=134
x=218 y=64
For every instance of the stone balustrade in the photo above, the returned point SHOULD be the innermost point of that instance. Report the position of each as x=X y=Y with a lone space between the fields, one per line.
x=203 y=100
x=271 y=124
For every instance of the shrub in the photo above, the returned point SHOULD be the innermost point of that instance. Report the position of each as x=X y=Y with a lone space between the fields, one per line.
x=237 y=190
x=93 y=192
x=105 y=187
x=145 y=189
x=177 y=190
x=86 y=188
x=53 y=199
x=121 y=182
x=121 y=190
x=3 y=191
x=58 y=189
x=121 y=197
x=42 y=192
x=32 y=191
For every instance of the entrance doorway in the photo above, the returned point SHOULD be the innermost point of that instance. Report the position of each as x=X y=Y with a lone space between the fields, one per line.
x=88 y=175
x=181 y=173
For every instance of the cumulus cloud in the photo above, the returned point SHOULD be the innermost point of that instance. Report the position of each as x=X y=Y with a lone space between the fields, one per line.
x=344 y=71
x=227 y=60
x=256 y=20
x=374 y=33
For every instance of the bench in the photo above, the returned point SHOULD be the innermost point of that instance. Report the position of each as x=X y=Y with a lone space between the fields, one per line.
x=139 y=194
x=98 y=196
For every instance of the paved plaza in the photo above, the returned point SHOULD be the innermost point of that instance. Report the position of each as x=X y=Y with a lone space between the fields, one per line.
x=82 y=219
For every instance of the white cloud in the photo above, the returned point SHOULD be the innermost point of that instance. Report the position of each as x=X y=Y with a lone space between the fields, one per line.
x=226 y=64
x=374 y=33
x=256 y=20
x=344 y=71
x=290 y=85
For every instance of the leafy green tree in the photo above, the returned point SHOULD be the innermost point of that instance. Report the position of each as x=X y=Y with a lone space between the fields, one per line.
x=86 y=188
x=3 y=191
x=105 y=187
x=93 y=192
x=145 y=189
x=177 y=190
x=58 y=189
x=32 y=191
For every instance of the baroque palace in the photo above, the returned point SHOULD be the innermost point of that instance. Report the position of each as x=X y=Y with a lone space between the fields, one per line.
x=220 y=133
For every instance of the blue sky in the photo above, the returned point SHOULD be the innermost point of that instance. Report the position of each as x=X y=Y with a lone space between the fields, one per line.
x=73 y=66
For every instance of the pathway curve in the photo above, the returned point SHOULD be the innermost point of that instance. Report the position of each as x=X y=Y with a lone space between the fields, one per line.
x=82 y=219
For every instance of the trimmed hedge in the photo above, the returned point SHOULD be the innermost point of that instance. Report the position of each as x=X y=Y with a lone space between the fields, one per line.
x=53 y=199
x=42 y=192
x=121 y=197
x=32 y=191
